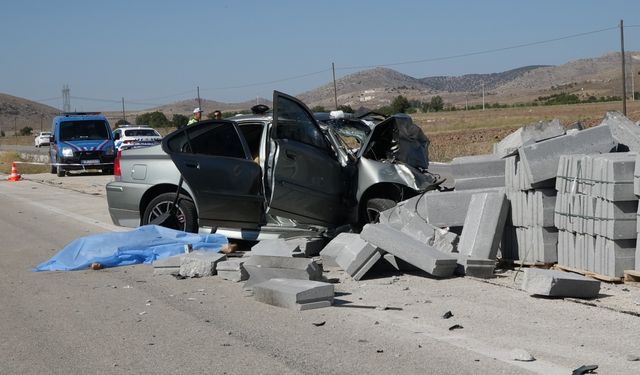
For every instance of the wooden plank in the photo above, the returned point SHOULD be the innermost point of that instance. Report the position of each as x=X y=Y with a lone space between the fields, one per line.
x=593 y=275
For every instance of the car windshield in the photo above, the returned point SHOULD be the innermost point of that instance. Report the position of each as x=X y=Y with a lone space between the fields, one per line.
x=83 y=130
x=141 y=133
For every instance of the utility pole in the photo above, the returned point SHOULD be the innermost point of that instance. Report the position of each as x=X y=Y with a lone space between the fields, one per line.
x=124 y=117
x=15 y=128
x=41 y=119
x=624 y=78
x=335 y=88
x=483 y=96
x=199 y=103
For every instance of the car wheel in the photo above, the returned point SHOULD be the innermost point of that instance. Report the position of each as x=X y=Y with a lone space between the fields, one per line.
x=185 y=219
x=376 y=206
x=61 y=172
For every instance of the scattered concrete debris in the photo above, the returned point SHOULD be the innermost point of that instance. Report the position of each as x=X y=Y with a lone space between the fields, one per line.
x=167 y=266
x=200 y=263
x=585 y=369
x=554 y=283
x=232 y=270
x=455 y=326
x=262 y=268
x=277 y=247
x=447 y=315
x=409 y=249
x=521 y=355
x=294 y=293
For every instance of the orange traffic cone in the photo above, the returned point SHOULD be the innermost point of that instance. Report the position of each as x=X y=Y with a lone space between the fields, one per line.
x=14 y=173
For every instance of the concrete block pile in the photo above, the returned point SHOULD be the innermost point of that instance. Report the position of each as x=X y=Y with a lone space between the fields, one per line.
x=596 y=212
x=530 y=178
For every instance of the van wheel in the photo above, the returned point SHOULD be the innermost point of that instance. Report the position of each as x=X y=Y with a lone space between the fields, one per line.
x=54 y=169
x=375 y=207
x=185 y=219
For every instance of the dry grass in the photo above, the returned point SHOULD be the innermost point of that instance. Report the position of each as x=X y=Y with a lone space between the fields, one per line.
x=6 y=158
x=463 y=133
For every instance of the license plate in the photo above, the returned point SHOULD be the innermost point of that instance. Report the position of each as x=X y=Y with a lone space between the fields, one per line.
x=92 y=161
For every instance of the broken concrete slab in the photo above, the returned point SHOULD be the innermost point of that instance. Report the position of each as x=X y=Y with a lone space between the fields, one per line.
x=309 y=246
x=440 y=238
x=554 y=283
x=540 y=160
x=336 y=245
x=232 y=270
x=409 y=249
x=623 y=130
x=261 y=268
x=480 y=268
x=484 y=225
x=355 y=255
x=167 y=266
x=277 y=247
x=200 y=263
x=294 y=294
x=528 y=134
x=441 y=209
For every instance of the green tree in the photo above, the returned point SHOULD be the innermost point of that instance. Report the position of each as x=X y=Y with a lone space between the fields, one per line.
x=154 y=119
x=179 y=120
x=318 y=108
x=26 y=130
x=345 y=108
x=436 y=104
x=400 y=104
x=122 y=122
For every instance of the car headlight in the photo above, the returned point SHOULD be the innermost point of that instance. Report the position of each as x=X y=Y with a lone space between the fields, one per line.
x=67 y=152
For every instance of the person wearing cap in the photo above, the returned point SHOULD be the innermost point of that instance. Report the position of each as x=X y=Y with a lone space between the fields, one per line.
x=197 y=115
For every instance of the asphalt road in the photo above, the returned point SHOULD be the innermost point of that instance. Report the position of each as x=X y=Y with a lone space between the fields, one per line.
x=124 y=320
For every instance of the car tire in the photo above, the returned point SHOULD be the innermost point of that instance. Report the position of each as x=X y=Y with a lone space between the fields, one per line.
x=186 y=217
x=61 y=172
x=375 y=206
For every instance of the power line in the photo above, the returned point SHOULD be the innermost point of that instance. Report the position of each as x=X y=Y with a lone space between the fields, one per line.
x=480 y=52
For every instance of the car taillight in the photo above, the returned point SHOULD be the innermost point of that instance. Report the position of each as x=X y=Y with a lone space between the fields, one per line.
x=116 y=165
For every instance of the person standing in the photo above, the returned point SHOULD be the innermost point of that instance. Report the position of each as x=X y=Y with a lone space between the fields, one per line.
x=197 y=115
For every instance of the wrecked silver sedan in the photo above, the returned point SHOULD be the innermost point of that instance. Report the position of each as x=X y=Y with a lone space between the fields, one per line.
x=273 y=174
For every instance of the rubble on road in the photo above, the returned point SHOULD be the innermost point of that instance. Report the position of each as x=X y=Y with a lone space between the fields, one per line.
x=544 y=196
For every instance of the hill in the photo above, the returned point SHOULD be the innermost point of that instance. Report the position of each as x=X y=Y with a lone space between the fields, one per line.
x=377 y=87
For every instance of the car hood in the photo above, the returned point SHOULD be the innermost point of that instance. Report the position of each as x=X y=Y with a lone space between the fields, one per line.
x=397 y=139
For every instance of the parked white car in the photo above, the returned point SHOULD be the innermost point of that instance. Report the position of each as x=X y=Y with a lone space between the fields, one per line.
x=127 y=137
x=42 y=139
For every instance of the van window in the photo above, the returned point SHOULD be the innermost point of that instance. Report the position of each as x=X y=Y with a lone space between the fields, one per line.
x=83 y=130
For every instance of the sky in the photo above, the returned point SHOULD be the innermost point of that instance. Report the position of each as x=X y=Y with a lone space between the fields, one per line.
x=156 y=52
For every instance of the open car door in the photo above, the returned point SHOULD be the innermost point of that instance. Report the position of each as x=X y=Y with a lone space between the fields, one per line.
x=215 y=162
x=303 y=179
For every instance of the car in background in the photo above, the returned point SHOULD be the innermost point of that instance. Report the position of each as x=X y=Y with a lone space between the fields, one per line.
x=269 y=174
x=42 y=139
x=81 y=141
x=128 y=136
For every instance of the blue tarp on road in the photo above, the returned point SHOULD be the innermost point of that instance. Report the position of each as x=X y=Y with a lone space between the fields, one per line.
x=142 y=245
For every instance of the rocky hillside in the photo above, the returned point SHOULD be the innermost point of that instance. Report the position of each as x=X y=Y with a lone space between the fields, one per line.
x=378 y=87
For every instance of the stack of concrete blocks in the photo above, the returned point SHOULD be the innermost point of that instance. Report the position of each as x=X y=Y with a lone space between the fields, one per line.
x=529 y=177
x=477 y=172
x=596 y=213
x=636 y=190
